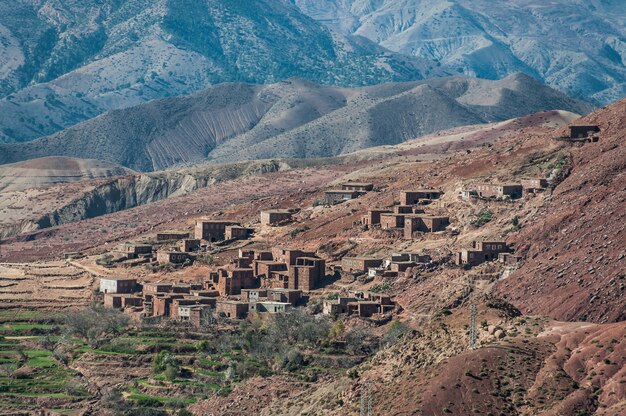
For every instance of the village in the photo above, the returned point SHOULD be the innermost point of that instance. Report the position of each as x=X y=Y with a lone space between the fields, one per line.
x=270 y=280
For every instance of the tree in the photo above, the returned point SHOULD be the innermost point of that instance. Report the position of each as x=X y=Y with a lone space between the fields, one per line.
x=96 y=324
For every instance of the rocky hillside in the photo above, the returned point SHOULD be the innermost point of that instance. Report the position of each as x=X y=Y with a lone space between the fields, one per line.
x=576 y=46
x=577 y=245
x=38 y=173
x=290 y=119
x=65 y=62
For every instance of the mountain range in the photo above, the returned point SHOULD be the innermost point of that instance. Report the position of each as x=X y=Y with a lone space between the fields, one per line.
x=64 y=62
x=290 y=119
x=576 y=46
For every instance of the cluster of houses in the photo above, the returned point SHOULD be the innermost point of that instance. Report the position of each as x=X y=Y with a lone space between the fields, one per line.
x=409 y=216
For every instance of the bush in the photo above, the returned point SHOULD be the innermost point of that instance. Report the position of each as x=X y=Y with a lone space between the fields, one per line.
x=383 y=287
x=205 y=259
x=165 y=360
x=292 y=361
x=396 y=331
x=484 y=217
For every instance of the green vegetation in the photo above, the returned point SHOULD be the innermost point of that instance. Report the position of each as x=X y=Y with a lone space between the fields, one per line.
x=483 y=218
x=383 y=287
x=205 y=259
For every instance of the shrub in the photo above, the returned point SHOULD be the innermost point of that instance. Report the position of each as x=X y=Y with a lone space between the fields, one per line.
x=483 y=218
x=292 y=361
x=383 y=287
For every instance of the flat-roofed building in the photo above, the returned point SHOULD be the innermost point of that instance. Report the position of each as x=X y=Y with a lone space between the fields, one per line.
x=118 y=285
x=490 y=190
x=132 y=251
x=165 y=236
x=212 y=230
x=291 y=296
x=357 y=186
x=360 y=263
x=122 y=300
x=337 y=196
x=157 y=287
x=253 y=295
x=416 y=196
x=171 y=257
x=236 y=232
x=189 y=245
x=424 y=224
x=373 y=216
x=532 y=186
x=232 y=309
x=276 y=216
x=269 y=307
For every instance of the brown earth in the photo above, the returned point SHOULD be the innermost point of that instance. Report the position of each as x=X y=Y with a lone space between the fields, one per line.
x=534 y=366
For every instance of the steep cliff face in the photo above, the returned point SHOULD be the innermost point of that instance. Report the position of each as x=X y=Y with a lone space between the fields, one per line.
x=131 y=191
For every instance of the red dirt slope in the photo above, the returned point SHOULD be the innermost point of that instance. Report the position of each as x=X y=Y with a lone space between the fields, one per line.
x=577 y=255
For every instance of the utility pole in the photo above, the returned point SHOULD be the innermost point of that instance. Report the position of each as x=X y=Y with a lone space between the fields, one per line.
x=472 y=329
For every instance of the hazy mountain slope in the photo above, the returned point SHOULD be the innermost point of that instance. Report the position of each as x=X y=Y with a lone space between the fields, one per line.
x=296 y=118
x=65 y=62
x=576 y=46
x=38 y=173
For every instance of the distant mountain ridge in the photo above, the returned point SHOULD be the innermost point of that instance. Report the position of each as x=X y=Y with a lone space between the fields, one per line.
x=576 y=46
x=63 y=62
x=291 y=119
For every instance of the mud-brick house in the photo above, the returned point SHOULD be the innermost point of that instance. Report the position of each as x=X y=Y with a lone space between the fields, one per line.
x=289 y=256
x=212 y=230
x=162 y=303
x=189 y=245
x=171 y=257
x=291 y=296
x=417 y=196
x=581 y=132
x=230 y=282
x=122 y=300
x=232 y=309
x=187 y=302
x=277 y=216
x=199 y=315
x=307 y=274
x=252 y=295
x=357 y=186
x=236 y=232
x=392 y=221
x=166 y=236
x=337 y=196
x=424 y=224
x=481 y=252
x=132 y=251
x=269 y=307
x=118 y=285
x=157 y=287
x=510 y=259
x=373 y=216
x=337 y=306
x=490 y=190
x=360 y=263
x=533 y=186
